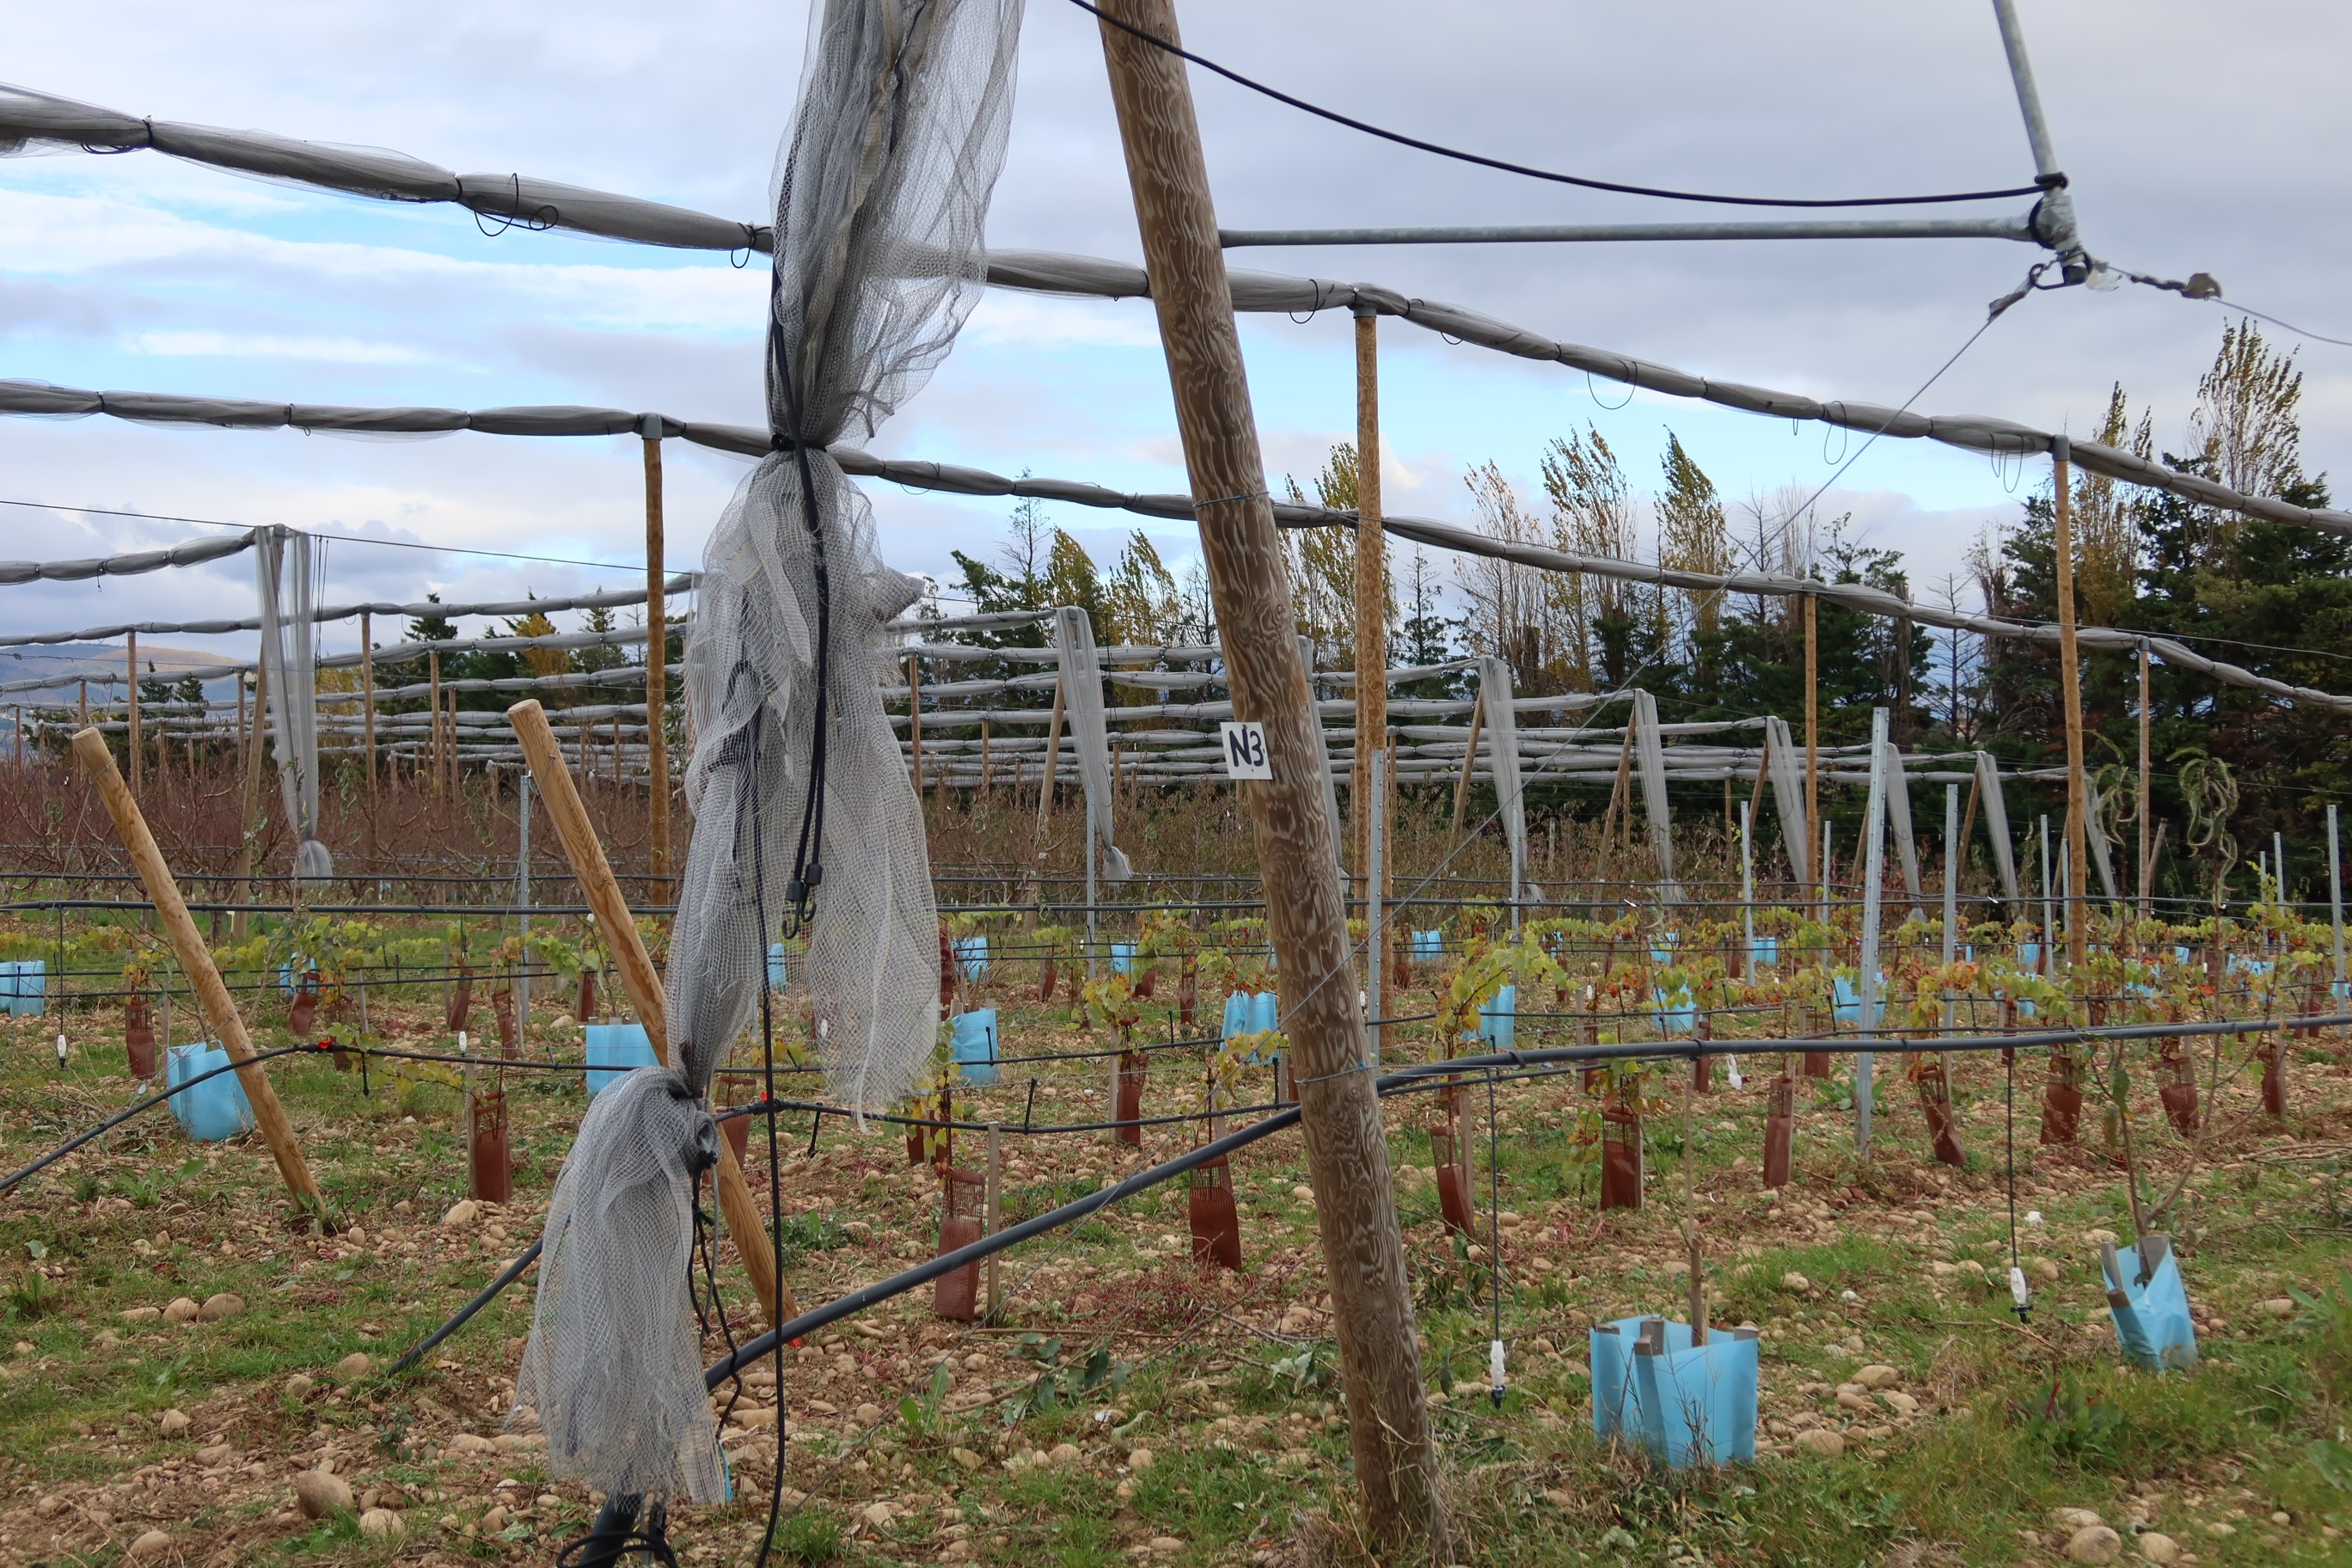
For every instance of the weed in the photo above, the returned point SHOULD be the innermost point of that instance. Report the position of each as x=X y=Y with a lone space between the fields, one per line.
x=32 y=1297
x=810 y=1537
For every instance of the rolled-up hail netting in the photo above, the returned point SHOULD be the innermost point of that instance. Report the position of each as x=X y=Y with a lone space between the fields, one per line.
x=1502 y=722
x=1996 y=816
x=1082 y=699
x=1649 y=748
x=801 y=799
x=1788 y=797
x=290 y=659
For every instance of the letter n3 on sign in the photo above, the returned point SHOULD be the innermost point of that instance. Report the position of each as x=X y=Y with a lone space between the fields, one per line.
x=1245 y=756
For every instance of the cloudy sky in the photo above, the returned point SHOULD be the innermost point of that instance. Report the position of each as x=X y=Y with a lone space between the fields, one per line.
x=2197 y=138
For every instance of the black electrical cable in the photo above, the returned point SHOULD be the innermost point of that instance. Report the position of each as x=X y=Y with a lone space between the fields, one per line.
x=1484 y=162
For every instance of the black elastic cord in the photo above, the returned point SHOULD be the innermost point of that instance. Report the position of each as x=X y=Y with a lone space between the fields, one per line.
x=1401 y=140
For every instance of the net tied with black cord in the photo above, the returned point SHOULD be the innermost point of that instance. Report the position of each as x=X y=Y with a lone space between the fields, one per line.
x=801 y=798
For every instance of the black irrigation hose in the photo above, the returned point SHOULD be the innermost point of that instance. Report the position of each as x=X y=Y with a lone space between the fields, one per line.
x=1405 y=1078
x=459 y=1320
x=119 y=1118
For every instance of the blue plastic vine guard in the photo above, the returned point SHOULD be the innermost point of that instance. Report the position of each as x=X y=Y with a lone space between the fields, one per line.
x=216 y=1108
x=1685 y=1404
x=971 y=1041
x=2152 y=1323
x=614 y=1050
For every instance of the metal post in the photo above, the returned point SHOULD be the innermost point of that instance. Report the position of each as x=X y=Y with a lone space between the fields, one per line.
x=988 y=1221
x=1872 y=857
x=2335 y=900
x=1825 y=872
x=2029 y=97
x=1376 y=908
x=522 y=901
x=2278 y=866
x=1747 y=889
x=2049 y=919
x=1951 y=888
x=1090 y=887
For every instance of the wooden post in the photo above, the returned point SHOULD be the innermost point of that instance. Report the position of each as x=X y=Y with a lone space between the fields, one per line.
x=1813 y=736
x=915 y=718
x=197 y=961
x=2070 y=679
x=1052 y=763
x=983 y=759
x=656 y=668
x=130 y=735
x=248 y=819
x=2147 y=803
x=1347 y=1150
x=1371 y=622
x=602 y=893
x=1469 y=762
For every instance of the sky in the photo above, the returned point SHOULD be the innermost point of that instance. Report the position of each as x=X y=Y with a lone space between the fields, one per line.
x=2196 y=139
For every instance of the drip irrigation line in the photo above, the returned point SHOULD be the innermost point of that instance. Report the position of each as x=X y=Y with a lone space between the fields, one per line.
x=1418 y=145
x=1402 y=1081
x=465 y=1314
x=120 y=1117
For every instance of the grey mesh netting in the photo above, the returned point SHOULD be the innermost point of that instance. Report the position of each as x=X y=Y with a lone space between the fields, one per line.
x=880 y=195
x=1649 y=745
x=290 y=659
x=1788 y=797
x=1502 y=722
x=1082 y=704
x=613 y=1366
x=1996 y=816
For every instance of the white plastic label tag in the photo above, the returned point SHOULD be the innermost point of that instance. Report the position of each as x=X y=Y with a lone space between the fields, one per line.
x=2017 y=1287
x=1245 y=756
x=1494 y=1361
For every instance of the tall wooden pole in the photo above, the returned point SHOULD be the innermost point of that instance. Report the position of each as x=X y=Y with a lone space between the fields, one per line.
x=196 y=959
x=1371 y=624
x=432 y=735
x=130 y=738
x=1052 y=763
x=1469 y=764
x=657 y=669
x=601 y=892
x=2147 y=805
x=1346 y=1151
x=2070 y=680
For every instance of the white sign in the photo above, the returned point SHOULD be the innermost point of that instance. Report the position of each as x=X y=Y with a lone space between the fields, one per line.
x=1245 y=756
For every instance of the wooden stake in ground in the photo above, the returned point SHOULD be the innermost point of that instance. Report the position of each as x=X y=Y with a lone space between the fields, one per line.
x=915 y=719
x=656 y=667
x=1052 y=763
x=2070 y=679
x=602 y=894
x=1347 y=1150
x=196 y=962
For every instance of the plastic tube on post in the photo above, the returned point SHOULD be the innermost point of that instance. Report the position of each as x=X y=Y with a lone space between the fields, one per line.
x=1873 y=856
